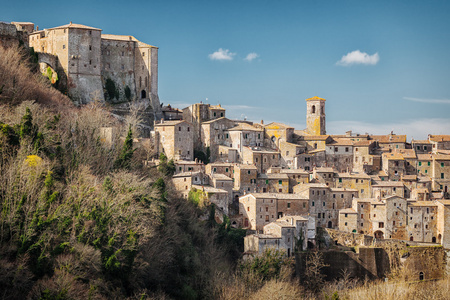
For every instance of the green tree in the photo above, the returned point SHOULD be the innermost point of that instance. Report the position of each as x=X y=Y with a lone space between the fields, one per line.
x=26 y=126
x=125 y=156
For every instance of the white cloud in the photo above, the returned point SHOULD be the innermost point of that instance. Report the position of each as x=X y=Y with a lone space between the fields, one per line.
x=425 y=100
x=251 y=56
x=222 y=54
x=358 y=58
x=417 y=129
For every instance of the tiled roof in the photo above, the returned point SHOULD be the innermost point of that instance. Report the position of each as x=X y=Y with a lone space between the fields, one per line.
x=315 y=98
x=389 y=138
x=439 y=138
x=78 y=26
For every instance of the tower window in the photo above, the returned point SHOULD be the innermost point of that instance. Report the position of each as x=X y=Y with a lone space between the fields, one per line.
x=313 y=109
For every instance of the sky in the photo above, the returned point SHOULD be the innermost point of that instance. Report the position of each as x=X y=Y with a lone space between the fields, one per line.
x=381 y=65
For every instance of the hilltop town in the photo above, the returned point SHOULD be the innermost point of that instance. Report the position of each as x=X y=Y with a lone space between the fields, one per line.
x=277 y=181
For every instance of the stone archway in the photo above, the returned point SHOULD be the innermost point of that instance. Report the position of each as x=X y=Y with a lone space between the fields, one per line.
x=379 y=234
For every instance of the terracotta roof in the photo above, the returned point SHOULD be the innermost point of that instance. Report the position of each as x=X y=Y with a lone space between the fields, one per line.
x=220 y=176
x=125 y=38
x=409 y=177
x=170 y=123
x=216 y=107
x=441 y=156
x=424 y=157
x=215 y=120
x=315 y=98
x=439 y=138
x=393 y=156
x=354 y=175
x=389 y=138
x=343 y=190
x=78 y=26
x=407 y=153
x=388 y=184
x=278 y=124
x=420 y=142
x=187 y=174
x=245 y=126
x=273 y=176
x=363 y=143
x=324 y=170
x=422 y=203
x=341 y=142
x=347 y=211
x=245 y=167
x=294 y=171
x=209 y=189
x=259 y=195
x=315 y=137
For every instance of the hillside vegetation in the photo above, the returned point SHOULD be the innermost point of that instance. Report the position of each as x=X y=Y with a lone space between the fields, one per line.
x=81 y=219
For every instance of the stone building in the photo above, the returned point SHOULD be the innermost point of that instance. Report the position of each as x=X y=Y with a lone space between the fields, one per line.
x=174 y=139
x=197 y=114
x=96 y=66
x=284 y=234
x=315 y=116
x=273 y=183
x=262 y=158
x=245 y=176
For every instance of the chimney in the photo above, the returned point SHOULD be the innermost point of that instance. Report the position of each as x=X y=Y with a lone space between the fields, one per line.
x=262 y=122
x=37 y=28
x=70 y=22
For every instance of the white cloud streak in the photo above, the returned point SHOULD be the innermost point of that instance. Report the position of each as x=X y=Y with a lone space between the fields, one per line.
x=251 y=56
x=426 y=100
x=222 y=54
x=417 y=129
x=358 y=58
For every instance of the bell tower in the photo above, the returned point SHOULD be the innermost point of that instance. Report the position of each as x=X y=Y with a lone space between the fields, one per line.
x=315 y=116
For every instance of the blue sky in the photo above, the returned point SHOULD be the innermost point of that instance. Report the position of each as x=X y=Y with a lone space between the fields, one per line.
x=399 y=80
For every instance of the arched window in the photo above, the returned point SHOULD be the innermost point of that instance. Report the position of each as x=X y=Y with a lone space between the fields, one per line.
x=421 y=276
x=313 y=109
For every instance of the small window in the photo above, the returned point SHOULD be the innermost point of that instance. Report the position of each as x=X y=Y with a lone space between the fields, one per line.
x=340 y=179
x=280 y=182
x=312 y=204
x=323 y=203
x=442 y=164
x=248 y=172
x=64 y=46
x=346 y=215
x=288 y=205
x=143 y=53
x=90 y=47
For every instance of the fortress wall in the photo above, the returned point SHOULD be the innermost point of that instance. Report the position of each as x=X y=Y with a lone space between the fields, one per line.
x=118 y=64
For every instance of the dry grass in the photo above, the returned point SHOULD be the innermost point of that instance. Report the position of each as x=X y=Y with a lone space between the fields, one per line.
x=20 y=83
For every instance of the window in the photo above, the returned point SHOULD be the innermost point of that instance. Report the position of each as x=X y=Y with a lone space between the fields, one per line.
x=334 y=195
x=393 y=223
x=90 y=32
x=267 y=181
x=346 y=149
x=342 y=195
x=340 y=179
x=318 y=215
x=123 y=67
x=288 y=205
x=346 y=215
x=90 y=47
x=324 y=192
x=420 y=163
x=429 y=163
x=442 y=165
x=214 y=114
x=248 y=172
x=221 y=114
x=362 y=216
x=323 y=215
x=312 y=204
x=226 y=169
x=381 y=225
x=335 y=149
x=64 y=46
x=442 y=175
x=345 y=223
x=323 y=203
x=280 y=182
x=90 y=62
x=313 y=109
x=304 y=204
x=143 y=53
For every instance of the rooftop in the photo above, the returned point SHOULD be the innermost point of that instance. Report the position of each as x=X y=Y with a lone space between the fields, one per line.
x=315 y=98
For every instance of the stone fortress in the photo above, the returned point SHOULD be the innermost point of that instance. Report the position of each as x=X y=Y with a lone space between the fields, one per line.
x=90 y=65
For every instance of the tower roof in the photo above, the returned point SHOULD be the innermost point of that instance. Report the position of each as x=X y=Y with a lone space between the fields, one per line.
x=315 y=98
